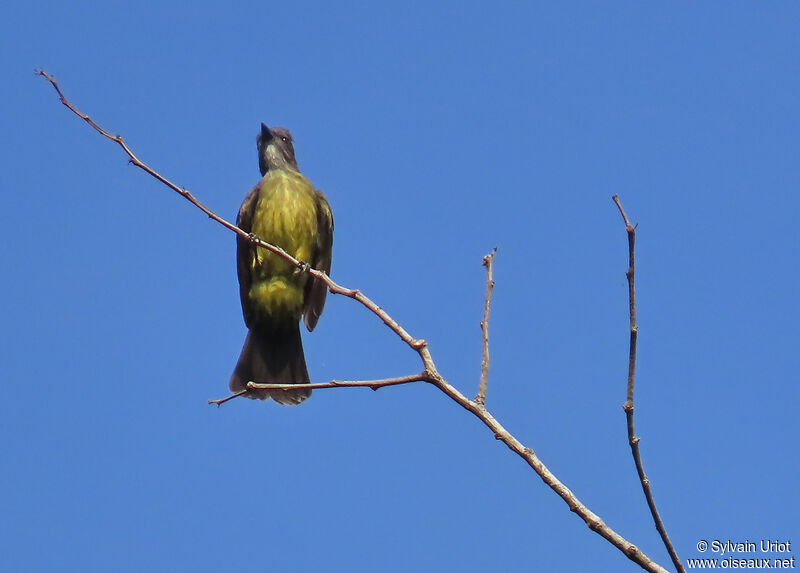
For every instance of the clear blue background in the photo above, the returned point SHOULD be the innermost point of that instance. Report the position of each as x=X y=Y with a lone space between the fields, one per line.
x=437 y=130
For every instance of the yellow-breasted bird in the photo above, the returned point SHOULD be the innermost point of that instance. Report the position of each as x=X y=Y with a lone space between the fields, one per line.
x=284 y=209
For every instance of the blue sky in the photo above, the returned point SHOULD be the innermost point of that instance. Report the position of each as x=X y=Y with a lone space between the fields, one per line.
x=438 y=131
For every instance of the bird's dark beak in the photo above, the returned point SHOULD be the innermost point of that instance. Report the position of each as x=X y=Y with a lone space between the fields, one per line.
x=266 y=134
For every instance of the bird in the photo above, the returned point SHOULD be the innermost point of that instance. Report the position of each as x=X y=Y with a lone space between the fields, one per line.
x=286 y=210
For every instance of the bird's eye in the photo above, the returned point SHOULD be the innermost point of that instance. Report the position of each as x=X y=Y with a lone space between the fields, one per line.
x=285 y=139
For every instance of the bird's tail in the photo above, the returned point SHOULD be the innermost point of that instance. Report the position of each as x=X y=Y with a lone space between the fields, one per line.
x=273 y=356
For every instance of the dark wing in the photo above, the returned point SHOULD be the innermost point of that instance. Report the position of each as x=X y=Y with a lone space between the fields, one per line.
x=316 y=290
x=245 y=251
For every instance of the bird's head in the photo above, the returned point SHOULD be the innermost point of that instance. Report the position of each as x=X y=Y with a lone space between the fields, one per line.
x=275 y=149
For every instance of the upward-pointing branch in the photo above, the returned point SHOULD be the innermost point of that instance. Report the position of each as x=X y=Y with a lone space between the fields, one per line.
x=488 y=262
x=633 y=439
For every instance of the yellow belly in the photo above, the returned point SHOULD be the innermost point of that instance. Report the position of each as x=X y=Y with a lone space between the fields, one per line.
x=285 y=215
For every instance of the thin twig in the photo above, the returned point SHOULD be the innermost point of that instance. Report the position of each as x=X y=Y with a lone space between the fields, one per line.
x=633 y=439
x=429 y=373
x=373 y=384
x=488 y=262
x=221 y=401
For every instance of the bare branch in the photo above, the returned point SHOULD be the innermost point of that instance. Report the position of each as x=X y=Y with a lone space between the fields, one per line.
x=633 y=439
x=334 y=288
x=374 y=384
x=221 y=401
x=488 y=262
x=591 y=519
x=429 y=373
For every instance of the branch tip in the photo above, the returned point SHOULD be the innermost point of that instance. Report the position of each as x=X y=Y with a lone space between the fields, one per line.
x=221 y=401
x=628 y=407
x=488 y=262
